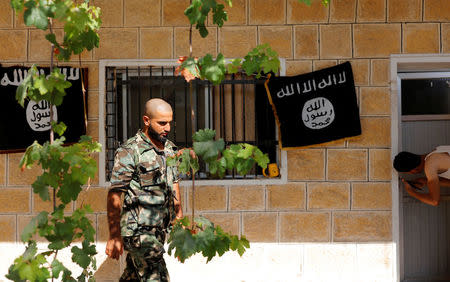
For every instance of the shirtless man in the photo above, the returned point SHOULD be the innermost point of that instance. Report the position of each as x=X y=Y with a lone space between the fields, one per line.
x=435 y=165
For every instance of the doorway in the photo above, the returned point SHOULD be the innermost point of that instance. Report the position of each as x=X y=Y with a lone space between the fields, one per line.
x=424 y=124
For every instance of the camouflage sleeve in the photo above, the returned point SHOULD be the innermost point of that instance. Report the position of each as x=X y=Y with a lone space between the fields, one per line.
x=175 y=174
x=122 y=171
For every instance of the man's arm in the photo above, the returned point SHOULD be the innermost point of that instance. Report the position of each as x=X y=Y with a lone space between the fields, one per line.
x=177 y=201
x=427 y=198
x=114 y=246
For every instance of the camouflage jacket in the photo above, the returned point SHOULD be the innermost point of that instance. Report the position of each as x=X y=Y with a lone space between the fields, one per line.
x=140 y=172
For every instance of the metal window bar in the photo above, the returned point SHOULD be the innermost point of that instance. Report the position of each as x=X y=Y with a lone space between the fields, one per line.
x=231 y=109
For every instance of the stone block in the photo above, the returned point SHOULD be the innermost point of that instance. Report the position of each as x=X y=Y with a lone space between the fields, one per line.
x=306 y=42
x=200 y=46
x=2 y=170
x=94 y=197
x=376 y=132
x=286 y=197
x=109 y=270
x=94 y=181
x=18 y=20
x=380 y=72
x=112 y=12
x=8 y=228
x=436 y=10
x=328 y=196
x=112 y=44
x=92 y=129
x=375 y=101
x=264 y=12
x=346 y=164
x=15 y=200
x=360 y=68
x=102 y=228
x=247 y=198
x=237 y=15
x=445 y=37
x=279 y=38
x=298 y=67
x=92 y=76
x=260 y=227
x=301 y=13
x=14 y=45
x=15 y=174
x=371 y=11
x=6 y=15
x=229 y=222
x=404 y=10
x=308 y=164
x=371 y=196
x=140 y=13
x=41 y=205
x=157 y=43
x=343 y=11
x=92 y=104
x=335 y=41
x=237 y=41
x=362 y=226
x=421 y=38
x=208 y=198
x=305 y=227
x=380 y=165
x=323 y=64
x=376 y=40
x=173 y=13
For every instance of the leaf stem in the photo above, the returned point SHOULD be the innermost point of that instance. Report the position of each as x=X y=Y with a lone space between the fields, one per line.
x=193 y=198
x=52 y=134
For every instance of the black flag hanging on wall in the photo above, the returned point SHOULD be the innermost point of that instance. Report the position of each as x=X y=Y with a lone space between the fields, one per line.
x=19 y=127
x=315 y=107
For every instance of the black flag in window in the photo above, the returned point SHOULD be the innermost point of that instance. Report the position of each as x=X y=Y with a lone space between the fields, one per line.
x=315 y=107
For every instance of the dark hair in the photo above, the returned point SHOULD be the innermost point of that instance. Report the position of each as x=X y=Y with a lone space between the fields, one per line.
x=406 y=161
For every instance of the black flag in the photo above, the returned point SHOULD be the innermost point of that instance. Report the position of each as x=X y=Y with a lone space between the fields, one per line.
x=19 y=127
x=315 y=107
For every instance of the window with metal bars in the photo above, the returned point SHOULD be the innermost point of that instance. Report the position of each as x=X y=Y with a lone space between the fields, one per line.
x=237 y=109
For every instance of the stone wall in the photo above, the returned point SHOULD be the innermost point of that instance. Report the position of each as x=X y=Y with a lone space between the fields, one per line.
x=339 y=191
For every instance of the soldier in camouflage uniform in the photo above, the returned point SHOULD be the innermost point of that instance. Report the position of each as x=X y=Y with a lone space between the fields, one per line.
x=151 y=197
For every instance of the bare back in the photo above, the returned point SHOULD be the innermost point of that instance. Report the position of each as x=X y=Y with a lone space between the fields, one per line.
x=437 y=163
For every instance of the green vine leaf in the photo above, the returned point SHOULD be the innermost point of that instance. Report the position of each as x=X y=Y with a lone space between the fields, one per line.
x=36 y=15
x=198 y=11
x=212 y=70
x=207 y=239
x=204 y=145
x=59 y=128
x=29 y=266
x=261 y=59
x=84 y=255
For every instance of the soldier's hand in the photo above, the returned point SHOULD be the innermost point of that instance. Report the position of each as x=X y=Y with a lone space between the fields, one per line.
x=191 y=152
x=114 y=248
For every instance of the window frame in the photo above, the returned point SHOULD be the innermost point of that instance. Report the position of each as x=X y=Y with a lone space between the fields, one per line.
x=103 y=64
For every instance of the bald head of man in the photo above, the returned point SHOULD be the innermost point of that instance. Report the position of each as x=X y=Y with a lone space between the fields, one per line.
x=157 y=118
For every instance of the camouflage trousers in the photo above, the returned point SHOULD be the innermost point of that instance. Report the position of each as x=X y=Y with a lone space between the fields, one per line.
x=145 y=261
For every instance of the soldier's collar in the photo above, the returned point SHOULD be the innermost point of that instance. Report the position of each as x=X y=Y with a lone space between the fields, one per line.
x=149 y=143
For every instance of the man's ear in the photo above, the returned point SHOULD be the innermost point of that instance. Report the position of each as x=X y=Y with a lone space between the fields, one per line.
x=146 y=120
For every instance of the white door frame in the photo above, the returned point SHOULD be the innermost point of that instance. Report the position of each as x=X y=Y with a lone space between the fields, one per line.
x=405 y=63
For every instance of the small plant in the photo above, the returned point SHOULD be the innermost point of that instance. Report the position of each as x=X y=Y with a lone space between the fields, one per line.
x=201 y=235
x=65 y=168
